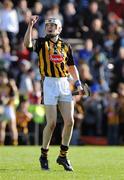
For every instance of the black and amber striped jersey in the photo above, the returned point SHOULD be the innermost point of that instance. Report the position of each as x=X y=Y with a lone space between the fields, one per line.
x=54 y=58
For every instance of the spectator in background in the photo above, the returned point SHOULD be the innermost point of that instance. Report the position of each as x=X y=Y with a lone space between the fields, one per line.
x=70 y=19
x=8 y=91
x=9 y=21
x=93 y=116
x=85 y=73
x=87 y=16
x=114 y=109
x=1 y=5
x=35 y=96
x=78 y=119
x=48 y=4
x=119 y=42
x=118 y=70
x=103 y=8
x=82 y=5
x=21 y=8
x=23 y=117
x=98 y=66
x=55 y=12
x=96 y=33
x=112 y=119
x=37 y=8
x=25 y=84
x=86 y=53
x=110 y=38
x=120 y=108
x=117 y=6
x=22 y=52
x=6 y=46
x=6 y=56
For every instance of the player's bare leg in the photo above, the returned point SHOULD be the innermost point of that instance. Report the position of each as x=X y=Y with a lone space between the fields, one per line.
x=51 y=115
x=66 y=110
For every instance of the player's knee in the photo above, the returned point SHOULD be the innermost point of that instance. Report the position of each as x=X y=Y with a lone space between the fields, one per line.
x=70 y=122
x=52 y=125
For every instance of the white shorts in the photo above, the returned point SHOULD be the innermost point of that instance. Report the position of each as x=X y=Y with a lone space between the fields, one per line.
x=8 y=114
x=55 y=90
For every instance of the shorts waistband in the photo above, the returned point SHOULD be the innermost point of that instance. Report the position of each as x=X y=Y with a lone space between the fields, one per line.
x=55 y=78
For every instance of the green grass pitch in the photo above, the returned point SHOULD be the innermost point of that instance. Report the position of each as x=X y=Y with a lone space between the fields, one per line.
x=89 y=163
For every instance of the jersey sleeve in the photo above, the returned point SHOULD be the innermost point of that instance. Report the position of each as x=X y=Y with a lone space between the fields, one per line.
x=70 y=60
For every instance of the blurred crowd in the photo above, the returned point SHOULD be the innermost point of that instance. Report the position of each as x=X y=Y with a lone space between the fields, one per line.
x=98 y=28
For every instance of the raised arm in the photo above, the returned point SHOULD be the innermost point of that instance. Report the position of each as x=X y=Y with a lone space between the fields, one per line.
x=28 y=34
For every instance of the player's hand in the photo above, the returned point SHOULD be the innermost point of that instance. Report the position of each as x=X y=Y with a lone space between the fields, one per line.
x=83 y=90
x=33 y=20
x=79 y=87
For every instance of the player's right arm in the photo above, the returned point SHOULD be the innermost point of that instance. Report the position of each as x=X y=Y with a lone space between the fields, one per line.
x=28 y=35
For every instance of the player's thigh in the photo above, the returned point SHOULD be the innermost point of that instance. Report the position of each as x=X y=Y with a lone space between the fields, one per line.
x=51 y=113
x=67 y=110
x=50 y=91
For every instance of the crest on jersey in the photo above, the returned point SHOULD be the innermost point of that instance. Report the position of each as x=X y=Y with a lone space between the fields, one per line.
x=56 y=58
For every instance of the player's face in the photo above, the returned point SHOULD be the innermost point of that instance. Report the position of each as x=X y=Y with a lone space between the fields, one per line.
x=52 y=29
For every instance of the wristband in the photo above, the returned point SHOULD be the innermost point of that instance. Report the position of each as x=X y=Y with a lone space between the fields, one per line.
x=77 y=83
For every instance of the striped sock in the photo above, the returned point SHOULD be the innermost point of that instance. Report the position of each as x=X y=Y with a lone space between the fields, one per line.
x=63 y=151
x=44 y=153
